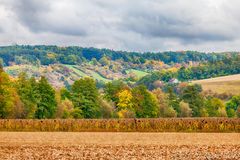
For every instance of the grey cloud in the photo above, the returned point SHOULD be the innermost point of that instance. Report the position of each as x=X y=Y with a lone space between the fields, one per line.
x=35 y=15
x=166 y=27
x=124 y=25
x=30 y=13
x=175 y=22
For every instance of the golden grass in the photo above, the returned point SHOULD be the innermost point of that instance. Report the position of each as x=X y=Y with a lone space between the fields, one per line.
x=125 y=125
x=225 y=84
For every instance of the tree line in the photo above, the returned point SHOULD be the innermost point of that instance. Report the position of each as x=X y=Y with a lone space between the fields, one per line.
x=45 y=55
x=227 y=66
x=36 y=99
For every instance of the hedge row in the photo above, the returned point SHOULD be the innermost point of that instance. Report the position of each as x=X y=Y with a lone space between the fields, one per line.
x=124 y=125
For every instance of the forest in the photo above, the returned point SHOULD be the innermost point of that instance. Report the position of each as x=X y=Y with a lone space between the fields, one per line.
x=73 y=55
x=63 y=65
x=102 y=83
x=25 y=97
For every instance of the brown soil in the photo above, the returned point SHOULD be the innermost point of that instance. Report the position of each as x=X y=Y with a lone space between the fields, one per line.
x=85 y=145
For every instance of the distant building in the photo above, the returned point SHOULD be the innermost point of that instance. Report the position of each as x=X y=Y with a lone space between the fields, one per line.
x=173 y=81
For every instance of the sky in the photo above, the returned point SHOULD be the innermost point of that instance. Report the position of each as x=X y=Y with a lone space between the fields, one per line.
x=130 y=25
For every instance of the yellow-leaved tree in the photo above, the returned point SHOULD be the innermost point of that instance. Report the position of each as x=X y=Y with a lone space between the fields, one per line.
x=125 y=104
x=10 y=103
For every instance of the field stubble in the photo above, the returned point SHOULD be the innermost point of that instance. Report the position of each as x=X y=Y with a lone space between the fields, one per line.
x=112 y=145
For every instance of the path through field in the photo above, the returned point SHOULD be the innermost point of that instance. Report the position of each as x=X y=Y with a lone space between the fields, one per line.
x=85 y=145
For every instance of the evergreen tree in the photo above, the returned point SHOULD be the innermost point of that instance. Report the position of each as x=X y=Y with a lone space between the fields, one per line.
x=191 y=95
x=173 y=100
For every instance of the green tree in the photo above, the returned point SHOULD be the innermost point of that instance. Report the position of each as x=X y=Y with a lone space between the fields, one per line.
x=27 y=90
x=112 y=90
x=144 y=102
x=94 y=61
x=215 y=108
x=191 y=95
x=104 y=61
x=173 y=100
x=46 y=105
x=85 y=97
x=72 y=59
x=232 y=106
x=65 y=94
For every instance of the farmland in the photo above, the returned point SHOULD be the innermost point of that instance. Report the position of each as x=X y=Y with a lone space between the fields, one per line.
x=166 y=138
x=225 y=84
x=102 y=145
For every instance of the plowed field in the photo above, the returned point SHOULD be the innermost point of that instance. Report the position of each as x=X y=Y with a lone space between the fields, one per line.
x=101 y=145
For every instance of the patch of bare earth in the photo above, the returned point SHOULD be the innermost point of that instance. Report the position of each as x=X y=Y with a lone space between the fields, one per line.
x=85 y=145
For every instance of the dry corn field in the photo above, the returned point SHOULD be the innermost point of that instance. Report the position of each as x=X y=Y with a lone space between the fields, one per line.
x=118 y=145
x=124 y=125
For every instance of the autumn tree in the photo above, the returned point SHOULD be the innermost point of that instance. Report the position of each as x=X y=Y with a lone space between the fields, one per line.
x=64 y=106
x=112 y=90
x=215 y=107
x=125 y=100
x=10 y=103
x=164 y=109
x=107 y=108
x=125 y=104
x=185 y=110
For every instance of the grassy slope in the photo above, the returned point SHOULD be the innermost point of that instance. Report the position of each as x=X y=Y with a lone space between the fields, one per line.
x=77 y=71
x=82 y=74
x=98 y=77
x=16 y=69
x=139 y=73
x=228 y=84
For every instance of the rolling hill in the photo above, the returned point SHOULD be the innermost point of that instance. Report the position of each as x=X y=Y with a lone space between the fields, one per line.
x=63 y=65
x=225 y=84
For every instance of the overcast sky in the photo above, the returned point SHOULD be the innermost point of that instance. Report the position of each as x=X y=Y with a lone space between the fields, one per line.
x=133 y=25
